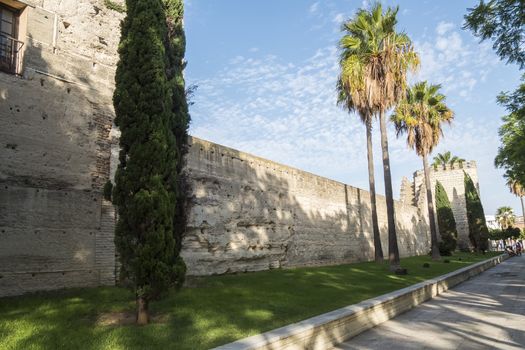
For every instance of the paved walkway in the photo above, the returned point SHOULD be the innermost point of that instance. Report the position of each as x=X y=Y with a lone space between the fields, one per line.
x=486 y=312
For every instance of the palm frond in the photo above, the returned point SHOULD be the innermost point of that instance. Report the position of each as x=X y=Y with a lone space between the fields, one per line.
x=420 y=116
x=374 y=61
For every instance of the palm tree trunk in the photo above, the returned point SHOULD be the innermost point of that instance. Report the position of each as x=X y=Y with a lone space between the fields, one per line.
x=142 y=311
x=522 y=209
x=378 y=250
x=393 y=250
x=431 y=217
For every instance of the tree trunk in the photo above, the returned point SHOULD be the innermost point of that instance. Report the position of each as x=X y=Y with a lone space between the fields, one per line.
x=522 y=208
x=393 y=250
x=142 y=311
x=431 y=217
x=378 y=250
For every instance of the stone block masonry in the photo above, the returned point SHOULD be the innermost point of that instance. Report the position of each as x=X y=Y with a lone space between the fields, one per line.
x=249 y=213
x=56 y=230
x=59 y=147
x=452 y=178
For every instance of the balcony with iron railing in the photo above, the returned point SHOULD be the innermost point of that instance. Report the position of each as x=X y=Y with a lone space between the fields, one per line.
x=10 y=54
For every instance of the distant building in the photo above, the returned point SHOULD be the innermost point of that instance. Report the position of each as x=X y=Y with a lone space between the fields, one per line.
x=492 y=223
x=520 y=223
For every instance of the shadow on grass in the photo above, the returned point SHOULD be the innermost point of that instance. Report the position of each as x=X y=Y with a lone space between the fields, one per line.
x=219 y=310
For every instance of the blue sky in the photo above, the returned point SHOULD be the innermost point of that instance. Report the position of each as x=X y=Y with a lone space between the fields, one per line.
x=266 y=72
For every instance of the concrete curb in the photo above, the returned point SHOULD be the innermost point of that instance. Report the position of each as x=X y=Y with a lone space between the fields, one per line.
x=329 y=329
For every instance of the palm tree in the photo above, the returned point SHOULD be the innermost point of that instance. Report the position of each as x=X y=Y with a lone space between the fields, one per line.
x=505 y=217
x=375 y=62
x=420 y=115
x=443 y=159
x=357 y=45
x=517 y=189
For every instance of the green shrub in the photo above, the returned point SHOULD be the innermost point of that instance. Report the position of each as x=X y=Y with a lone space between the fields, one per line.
x=446 y=222
x=509 y=232
x=108 y=189
x=496 y=234
x=478 y=231
x=513 y=232
x=445 y=249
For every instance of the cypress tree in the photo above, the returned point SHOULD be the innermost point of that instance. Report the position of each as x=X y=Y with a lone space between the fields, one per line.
x=478 y=231
x=446 y=221
x=152 y=115
x=175 y=44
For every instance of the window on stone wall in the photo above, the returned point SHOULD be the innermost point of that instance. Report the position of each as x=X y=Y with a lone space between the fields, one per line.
x=10 y=46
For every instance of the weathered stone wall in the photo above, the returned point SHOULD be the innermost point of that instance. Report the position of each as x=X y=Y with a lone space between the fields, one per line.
x=55 y=228
x=56 y=136
x=452 y=179
x=249 y=213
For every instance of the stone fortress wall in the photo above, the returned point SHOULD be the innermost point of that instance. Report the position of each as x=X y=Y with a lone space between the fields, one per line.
x=56 y=151
x=249 y=213
x=452 y=178
x=55 y=121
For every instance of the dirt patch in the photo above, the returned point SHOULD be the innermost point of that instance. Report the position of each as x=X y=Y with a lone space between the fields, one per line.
x=126 y=318
x=116 y=319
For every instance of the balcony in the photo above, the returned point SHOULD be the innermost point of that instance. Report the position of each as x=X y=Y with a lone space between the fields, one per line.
x=10 y=57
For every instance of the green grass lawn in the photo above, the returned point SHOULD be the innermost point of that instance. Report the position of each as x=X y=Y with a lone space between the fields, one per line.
x=215 y=311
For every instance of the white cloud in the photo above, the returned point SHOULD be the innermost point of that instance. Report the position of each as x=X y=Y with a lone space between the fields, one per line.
x=444 y=27
x=283 y=112
x=451 y=45
x=448 y=60
x=314 y=7
x=339 y=18
x=286 y=111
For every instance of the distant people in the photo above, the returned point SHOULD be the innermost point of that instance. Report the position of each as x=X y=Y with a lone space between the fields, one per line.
x=501 y=245
x=519 y=247
x=509 y=251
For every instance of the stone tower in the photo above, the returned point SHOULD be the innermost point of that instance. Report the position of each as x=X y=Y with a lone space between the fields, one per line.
x=452 y=179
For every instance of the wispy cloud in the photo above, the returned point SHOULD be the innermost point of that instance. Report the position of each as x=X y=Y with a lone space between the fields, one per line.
x=444 y=27
x=314 y=7
x=286 y=110
x=448 y=60
x=338 y=18
x=282 y=111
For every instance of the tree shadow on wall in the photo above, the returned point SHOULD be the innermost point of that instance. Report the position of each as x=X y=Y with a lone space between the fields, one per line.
x=249 y=214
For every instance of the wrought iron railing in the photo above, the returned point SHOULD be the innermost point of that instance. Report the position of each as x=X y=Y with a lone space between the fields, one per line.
x=10 y=54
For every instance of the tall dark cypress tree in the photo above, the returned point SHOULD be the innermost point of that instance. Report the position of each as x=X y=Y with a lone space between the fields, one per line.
x=175 y=44
x=478 y=231
x=446 y=221
x=152 y=115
